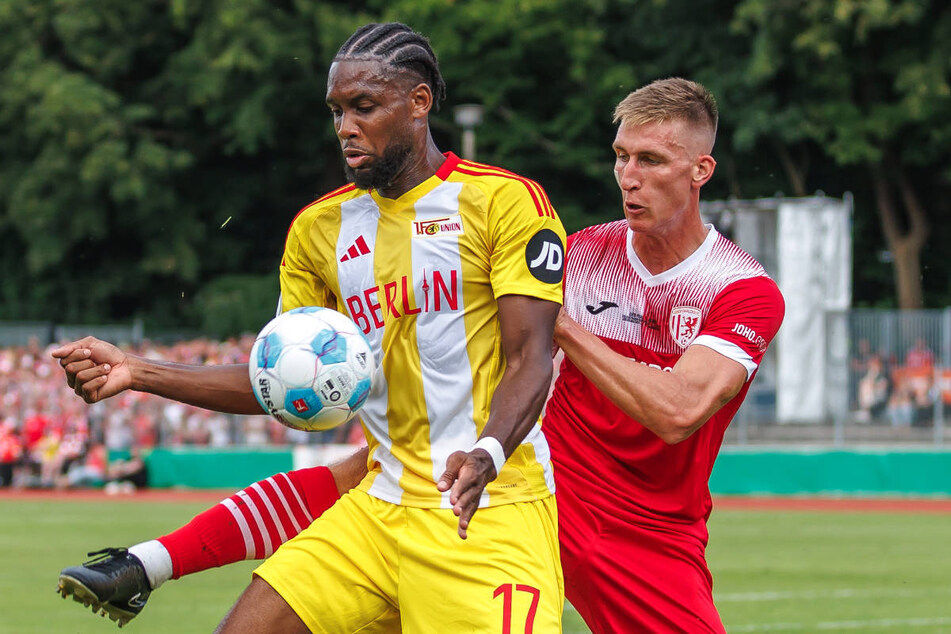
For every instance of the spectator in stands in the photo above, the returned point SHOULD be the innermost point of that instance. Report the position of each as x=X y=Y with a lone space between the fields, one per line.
x=917 y=375
x=42 y=414
x=874 y=390
x=127 y=475
x=900 y=410
x=11 y=452
x=89 y=470
x=919 y=356
x=922 y=392
x=71 y=450
x=858 y=366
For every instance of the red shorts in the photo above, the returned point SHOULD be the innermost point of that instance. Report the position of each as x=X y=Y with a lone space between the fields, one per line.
x=623 y=577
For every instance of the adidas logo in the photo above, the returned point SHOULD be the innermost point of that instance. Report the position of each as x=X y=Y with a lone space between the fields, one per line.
x=355 y=250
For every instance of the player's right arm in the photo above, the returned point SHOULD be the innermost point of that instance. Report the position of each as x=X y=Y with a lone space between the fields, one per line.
x=708 y=375
x=672 y=404
x=97 y=370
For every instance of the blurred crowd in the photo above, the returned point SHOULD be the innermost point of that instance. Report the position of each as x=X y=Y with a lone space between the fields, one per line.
x=901 y=392
x=49 y=437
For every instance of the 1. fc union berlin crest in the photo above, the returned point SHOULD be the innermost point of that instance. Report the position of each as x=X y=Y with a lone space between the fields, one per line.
x=684 y=324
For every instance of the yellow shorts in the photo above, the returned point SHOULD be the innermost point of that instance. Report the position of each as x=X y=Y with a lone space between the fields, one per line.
x=371 y=566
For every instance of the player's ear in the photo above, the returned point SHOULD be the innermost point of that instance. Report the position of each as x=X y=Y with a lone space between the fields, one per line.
x=421 y=97
x=703 y=170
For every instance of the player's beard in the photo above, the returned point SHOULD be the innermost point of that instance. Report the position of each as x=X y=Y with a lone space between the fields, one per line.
x=383 y=171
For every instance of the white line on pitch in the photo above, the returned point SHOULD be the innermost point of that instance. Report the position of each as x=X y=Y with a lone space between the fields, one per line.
x=842 y=593
x=842 y=625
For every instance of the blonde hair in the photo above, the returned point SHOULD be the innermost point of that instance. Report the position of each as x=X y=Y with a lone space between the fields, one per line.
x=671 y=99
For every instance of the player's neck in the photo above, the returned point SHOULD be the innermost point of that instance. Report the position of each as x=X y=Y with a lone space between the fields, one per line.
x=663 y=250
x=420 y=166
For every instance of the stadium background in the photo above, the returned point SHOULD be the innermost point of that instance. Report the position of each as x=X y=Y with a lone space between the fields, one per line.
x=152 y=155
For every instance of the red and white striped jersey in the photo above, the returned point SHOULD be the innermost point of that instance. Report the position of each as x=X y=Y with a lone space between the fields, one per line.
x=718 y=297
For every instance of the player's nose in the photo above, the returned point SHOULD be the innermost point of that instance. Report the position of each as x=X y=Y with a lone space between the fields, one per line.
x=347 y=127
x=627 y=177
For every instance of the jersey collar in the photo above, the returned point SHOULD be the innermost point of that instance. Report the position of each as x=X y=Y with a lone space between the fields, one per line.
x=676 y=270
x=447 y=167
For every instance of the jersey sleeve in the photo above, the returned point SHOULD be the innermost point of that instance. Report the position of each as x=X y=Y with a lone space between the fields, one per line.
x=301 y=285
x=743 y=320
x=527 y=242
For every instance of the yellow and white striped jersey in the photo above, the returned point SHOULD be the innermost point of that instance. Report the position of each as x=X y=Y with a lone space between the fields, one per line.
x=421 y=275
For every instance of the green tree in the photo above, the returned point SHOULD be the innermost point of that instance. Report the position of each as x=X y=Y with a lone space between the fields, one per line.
x=151 y=147
x=152 y=154
x=549 y=73
x=865 y=83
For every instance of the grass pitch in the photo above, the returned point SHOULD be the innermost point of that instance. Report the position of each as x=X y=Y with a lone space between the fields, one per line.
x=775 y=571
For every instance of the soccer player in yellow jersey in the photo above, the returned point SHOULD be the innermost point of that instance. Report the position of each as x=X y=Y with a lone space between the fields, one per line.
x=454 y=272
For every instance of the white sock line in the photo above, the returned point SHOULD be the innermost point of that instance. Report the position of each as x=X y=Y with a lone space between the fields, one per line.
x=299 y=500
x=243 y=525
x=283 y=499
x=155 y=559
x=256 y=514
x=274 y=516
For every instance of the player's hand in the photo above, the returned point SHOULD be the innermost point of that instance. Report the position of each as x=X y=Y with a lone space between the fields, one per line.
x=95 y=369
x=562 y=324
x=466 y=475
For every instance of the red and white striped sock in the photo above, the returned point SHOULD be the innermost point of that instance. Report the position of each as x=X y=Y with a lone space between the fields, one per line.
x=253 y=522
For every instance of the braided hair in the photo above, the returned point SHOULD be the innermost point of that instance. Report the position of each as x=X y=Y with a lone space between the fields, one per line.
x=400 y=47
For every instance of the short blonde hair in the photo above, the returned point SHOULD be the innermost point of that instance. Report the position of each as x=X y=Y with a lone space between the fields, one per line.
x=671 y=99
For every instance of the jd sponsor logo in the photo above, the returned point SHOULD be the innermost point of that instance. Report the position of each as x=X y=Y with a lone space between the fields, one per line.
x=545 y=256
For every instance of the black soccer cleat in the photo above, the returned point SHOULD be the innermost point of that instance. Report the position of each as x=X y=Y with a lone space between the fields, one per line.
x=113 y=583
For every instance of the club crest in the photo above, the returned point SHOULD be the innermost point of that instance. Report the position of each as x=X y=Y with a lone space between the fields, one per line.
x=684 y=324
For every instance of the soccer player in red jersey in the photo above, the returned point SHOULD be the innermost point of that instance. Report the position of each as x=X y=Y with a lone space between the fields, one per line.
x=664 y=324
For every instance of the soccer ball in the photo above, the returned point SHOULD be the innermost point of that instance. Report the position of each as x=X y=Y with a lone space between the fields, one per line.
x=311 y=368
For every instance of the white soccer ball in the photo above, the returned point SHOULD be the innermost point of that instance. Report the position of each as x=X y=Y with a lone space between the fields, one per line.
x=311 y=368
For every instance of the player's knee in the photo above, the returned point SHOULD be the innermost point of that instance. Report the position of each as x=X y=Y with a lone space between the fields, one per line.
x=261 y=609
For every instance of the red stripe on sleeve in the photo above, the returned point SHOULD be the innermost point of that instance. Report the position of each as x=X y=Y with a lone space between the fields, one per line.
x=538 y=205
x=349 y=187
x=337 y=192
x=529 y=183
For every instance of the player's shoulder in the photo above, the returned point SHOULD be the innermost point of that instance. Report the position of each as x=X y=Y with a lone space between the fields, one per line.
x=729 y=261
x=498 y=181
x=759 y=286
x=599 y=235
x=741 y=275
x=328 y=203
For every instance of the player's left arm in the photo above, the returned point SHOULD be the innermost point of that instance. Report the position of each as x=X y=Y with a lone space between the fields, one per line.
x=707 y=376
x=526 y=263
x=527 y=324
x=671 y=404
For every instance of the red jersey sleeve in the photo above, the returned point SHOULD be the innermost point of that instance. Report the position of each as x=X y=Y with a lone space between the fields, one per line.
x=743 y=320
